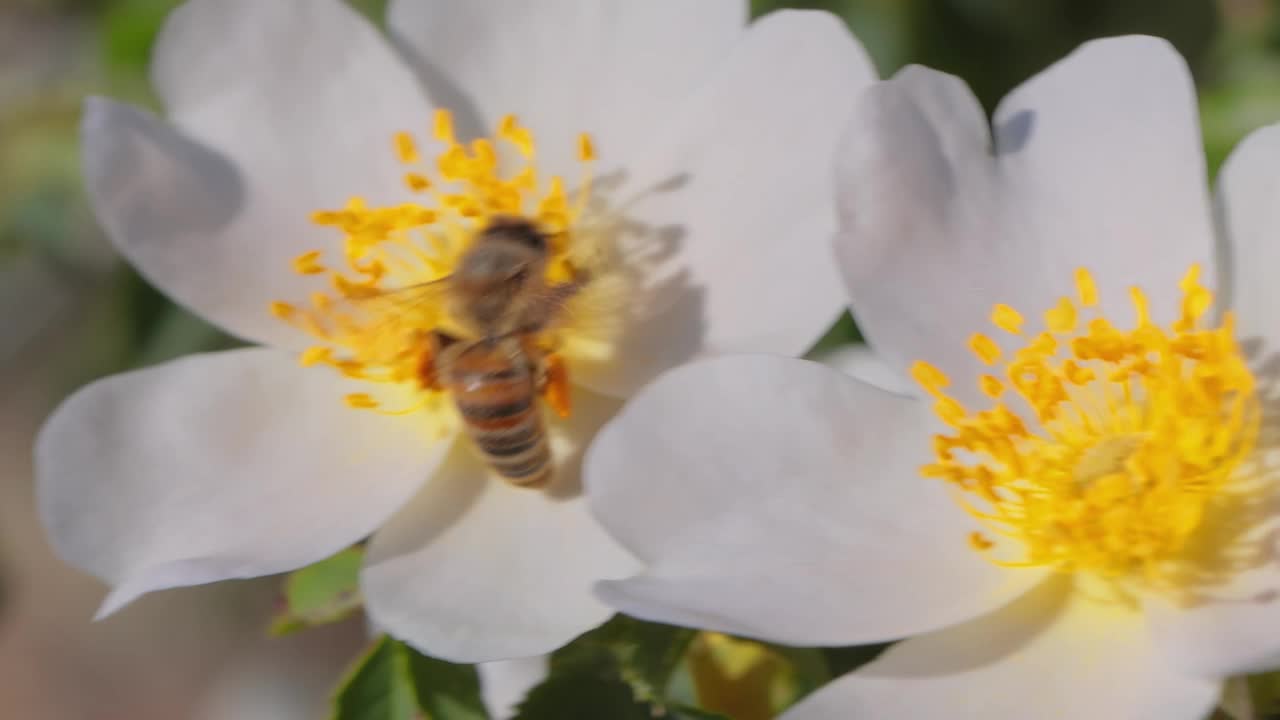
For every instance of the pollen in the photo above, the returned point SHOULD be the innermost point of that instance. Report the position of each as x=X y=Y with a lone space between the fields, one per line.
x=380 y=295
x=1104 y=451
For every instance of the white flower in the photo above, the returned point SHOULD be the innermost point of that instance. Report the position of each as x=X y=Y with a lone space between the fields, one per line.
x=713 y=141
x=1081 y=527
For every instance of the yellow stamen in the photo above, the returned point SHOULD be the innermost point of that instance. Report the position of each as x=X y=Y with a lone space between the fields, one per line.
x=406 y=149
x=1138 y=436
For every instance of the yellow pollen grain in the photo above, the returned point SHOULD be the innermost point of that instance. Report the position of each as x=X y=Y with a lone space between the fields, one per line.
x=1061 y=318
x=442 y=128
x=985 y=348
x=928 y=376
x=360 y=401
x=308 y=263
x=1086 y=290
x=1007 y=319
x=406 y=148
x=586 y=148
x=416 y=182
x=1130 y=439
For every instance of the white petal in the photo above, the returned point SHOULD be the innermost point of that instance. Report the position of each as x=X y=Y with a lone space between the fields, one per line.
x=1049 y=654
x=1096 y=164
x=862 y=363
x=736 y=194
x=282 y=108
x=475 y=569
x=566 y=66
x=779 y=499
x=1248 y=204
x=504 y=683
x=211 y=467
x=1227 y=630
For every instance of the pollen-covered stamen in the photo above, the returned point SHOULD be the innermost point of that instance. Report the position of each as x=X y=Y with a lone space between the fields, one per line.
x=374 y=320
x=1115 y=444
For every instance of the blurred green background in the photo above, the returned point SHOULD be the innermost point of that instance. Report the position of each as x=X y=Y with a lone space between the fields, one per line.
x=70 y=311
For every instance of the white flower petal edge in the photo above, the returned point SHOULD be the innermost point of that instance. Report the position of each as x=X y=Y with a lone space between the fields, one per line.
x=1248 y=205
x=566 y=66
x=505 y=683
x=219 y=466
x=862 y=363
x=474 y=569
x=1097 y=163
x=281 y=109
x=737 y=182
x=755 y=485
x=1045 y=655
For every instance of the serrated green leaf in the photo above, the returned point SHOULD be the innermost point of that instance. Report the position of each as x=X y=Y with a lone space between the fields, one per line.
x=325 y=592
x=378 y=687
x=445 y=690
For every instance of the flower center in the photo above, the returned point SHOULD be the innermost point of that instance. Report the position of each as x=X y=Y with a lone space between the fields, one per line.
x=1104 y=451
x=385 y=296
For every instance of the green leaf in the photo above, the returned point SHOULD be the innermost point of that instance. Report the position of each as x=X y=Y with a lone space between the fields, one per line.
x=378 y=687
x=841 y=660
x=325 y=592
x=648 y=654
x=585 y=684
x=445 y=690
x=684 y=712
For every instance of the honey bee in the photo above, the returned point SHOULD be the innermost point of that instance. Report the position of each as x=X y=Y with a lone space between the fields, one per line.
x=494 y=371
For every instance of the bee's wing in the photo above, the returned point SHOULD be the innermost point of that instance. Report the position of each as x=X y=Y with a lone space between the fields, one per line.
x=589 y=312
x=383 y=323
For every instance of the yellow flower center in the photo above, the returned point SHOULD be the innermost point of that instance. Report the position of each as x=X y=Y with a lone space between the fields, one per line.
x=382 y=299
x=1105 y=451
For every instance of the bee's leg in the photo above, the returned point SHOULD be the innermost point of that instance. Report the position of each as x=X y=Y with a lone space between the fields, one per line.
x=550 y=377
x=429 y=368
x=555 y=384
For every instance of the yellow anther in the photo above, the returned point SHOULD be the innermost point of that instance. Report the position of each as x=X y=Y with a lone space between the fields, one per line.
x=308 y=263
x=484 y=154
x=928 y=376
x=1131 y=439
x=1007 y=319
x=315 y=356
x=979 y=542
x=443 y=127
x=991 y=386
x=1085 y=288
x=1141 y=306
x=985 y=348
x=326 y=217
x=1061 y=318
x=283 y=310
x=586 y=148
x=416 y=182
x=360 y=401
x=406 y=148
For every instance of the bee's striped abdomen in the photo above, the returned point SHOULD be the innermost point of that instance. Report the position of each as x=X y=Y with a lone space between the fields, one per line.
x=497 y=402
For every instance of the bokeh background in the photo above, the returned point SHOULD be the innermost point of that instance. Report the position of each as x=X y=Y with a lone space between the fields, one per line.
x=70 y=311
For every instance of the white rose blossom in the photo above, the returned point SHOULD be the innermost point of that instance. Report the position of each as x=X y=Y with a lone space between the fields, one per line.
x=1072 y=512
x=674 y=151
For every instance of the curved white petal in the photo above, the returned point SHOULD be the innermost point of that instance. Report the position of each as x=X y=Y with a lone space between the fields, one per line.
x=281 y=108
x=1049 y=654
x=1248 y=205
x=475 y=569
x=1095 y=163
x=862 y=363
x=1228 y=629
x=566 y=66
x=779 y=499
x=504 y=683
x=228 y=465
x=732 y=203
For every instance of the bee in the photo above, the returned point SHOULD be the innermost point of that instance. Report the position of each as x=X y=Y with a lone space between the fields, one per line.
x=494 y=369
